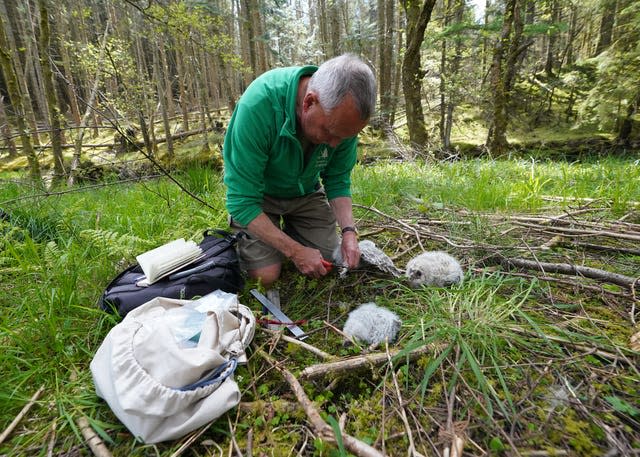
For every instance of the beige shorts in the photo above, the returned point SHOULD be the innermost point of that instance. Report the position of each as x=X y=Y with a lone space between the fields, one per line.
x=308 y=220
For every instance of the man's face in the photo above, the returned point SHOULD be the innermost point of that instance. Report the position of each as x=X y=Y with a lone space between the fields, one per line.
x=321 y=127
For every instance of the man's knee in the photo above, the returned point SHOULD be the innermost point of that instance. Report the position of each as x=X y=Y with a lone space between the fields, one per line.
x=267 y=275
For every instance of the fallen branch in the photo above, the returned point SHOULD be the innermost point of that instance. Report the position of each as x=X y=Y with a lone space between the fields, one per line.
x=355 y=363
x=322 y=429
x=579 y=232
x=21 y=414
x=403 y=413
x=575 y=270
x=320 y=353
x=94 y=442
x=554 y=198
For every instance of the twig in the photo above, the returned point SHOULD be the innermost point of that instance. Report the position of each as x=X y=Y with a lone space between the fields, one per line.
x=52 y=438
x=569 y=269
x=354 y=363
x=578 y=232
x=554 y=198
x=320 y=353
x=403 y=414
x=232 y=431
x=250 y=443
x=21 y=414
x=583 y=347
x=407 y=226
x=194 y=436
x=94 y=442
x=324 y=430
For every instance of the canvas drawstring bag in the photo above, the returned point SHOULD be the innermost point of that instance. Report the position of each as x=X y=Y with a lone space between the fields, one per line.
x=167 y=368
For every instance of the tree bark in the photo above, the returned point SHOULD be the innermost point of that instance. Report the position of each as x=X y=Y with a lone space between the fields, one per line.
x=385 y=58
x=606 y=25
x=163 y=103
x=18 y=101
x=11 y=47
x=77 y=153
x=418 y=16
x=626 y=127
x=497 y=138
x=5 y=129
x=50 y=93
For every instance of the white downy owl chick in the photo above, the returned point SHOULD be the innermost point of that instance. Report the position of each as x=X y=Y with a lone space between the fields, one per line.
x=370 y=254
x=372 y=324
x=434 y=268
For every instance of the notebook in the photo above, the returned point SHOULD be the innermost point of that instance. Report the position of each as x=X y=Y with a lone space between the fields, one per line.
x=165 y=259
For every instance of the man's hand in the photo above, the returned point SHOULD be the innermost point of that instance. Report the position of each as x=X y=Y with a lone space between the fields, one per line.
x=310 y=262
x=350 y=250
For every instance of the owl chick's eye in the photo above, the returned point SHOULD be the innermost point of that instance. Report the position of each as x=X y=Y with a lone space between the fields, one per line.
x=416 y=274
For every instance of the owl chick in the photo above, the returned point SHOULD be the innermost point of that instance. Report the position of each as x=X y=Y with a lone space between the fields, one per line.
x=370 y=254
x=434 y=268
x=372 y=324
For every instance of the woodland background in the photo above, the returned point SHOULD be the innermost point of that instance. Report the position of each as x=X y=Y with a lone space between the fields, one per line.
x=74 y=67
x=508 y=139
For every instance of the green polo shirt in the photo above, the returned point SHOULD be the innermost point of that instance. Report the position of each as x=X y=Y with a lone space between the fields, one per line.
x=262 y=155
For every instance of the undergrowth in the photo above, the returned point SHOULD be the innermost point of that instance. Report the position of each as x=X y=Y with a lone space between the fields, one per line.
x=514 y=365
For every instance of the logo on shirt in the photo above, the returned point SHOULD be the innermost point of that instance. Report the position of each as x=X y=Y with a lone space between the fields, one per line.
x=323 y=158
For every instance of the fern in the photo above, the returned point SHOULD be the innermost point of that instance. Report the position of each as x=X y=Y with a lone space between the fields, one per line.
x=115 y=244
x=53 y=256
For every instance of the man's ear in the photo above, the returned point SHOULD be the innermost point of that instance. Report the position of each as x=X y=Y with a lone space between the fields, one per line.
x=310 y=99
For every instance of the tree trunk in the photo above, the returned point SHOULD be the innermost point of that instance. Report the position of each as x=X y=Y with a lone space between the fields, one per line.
x=11 y=48
x=33 y=72
x=183 y=98
x=50 y=93
x=624 y=134
x=606 y=25
x=452 y=89
x=5 y=129
x=163 y=103
x=418 y=17
x=497 y=137
x=18 y=101
x=552 y=38
x=335 y=28
x=385 y=59
x=77 y=151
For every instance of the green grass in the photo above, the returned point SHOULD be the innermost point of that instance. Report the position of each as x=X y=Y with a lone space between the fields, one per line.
x=496 y=185
x=58 y=252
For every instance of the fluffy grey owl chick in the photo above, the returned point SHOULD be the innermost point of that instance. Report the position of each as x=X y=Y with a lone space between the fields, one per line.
x=372 y=324
x=370 y=254
x=434 y=268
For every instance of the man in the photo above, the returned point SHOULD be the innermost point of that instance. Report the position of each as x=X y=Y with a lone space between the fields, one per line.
x=288 y=154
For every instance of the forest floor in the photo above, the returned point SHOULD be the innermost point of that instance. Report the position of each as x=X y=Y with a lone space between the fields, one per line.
x=536 y=353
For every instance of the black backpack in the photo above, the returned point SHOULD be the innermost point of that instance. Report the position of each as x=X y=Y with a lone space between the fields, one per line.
x=218 y=269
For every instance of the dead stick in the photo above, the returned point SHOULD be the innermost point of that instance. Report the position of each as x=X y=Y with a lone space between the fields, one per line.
x=324 y=430
x=319 y=352
x=576 y=270
x=52 y=438
x=403 y=413
x=353 y=363
x=21 y=414
x=190 y=440
x=94 y=442
x=578 y=232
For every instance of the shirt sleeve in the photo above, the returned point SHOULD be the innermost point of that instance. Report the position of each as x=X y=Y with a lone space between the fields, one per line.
x=336 y=177
x=246 y=153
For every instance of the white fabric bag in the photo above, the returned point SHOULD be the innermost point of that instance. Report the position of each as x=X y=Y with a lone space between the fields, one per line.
x=167 y=368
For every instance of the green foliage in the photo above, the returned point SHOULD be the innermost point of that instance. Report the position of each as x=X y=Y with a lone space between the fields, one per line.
x=490 y=338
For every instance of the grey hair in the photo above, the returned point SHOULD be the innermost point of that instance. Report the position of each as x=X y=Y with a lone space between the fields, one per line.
x=343 y=75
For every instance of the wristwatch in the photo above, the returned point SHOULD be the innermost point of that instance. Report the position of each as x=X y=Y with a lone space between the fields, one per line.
x=349 y=228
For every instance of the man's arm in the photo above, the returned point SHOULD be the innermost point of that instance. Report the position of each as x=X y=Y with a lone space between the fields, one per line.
x=306 y=259
x=343 y=210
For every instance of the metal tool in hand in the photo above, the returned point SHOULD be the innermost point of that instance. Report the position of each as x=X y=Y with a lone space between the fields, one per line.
x=278 y=314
